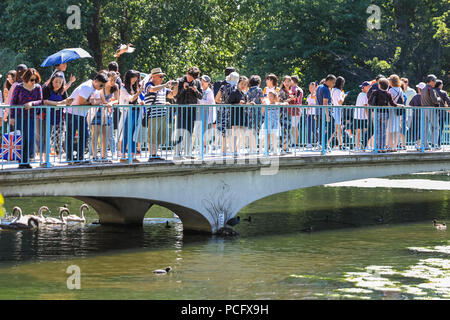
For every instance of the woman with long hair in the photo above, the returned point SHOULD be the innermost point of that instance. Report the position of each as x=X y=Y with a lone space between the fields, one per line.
x=101 y=117
x=310 y=118
x=9 y=81
x=129 y=95
x=338 y=96
x=285 y=96
x=394 y=125
x=271 y=125
x=27 y=94
x=53 y=94
x=239 y=121
x=255 y=96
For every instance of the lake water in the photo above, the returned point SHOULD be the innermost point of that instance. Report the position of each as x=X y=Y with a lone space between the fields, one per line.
x=317 y=243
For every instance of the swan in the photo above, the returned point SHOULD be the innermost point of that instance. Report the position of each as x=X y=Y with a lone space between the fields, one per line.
x=62 y=220
x=31 y=224
x=439 y=226
x=21 y=219
x=40 y=217
x=21 y=222
x=163 y=271
x=75 y=218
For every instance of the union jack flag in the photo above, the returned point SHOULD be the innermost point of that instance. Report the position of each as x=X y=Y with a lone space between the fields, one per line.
x=11 y=147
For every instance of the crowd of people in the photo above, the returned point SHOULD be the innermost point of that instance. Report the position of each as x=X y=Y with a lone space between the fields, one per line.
x=241 y=123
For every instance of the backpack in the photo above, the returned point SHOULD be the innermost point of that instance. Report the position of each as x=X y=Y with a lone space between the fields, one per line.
x=227 y=92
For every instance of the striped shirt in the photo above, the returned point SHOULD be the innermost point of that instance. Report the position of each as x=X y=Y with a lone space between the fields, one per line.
x=155 y=98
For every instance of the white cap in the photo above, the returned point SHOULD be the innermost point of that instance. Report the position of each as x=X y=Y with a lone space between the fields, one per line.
x=421 y=85
x=233 y=77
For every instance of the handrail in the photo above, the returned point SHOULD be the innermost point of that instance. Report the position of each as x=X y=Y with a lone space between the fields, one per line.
x=217 y=131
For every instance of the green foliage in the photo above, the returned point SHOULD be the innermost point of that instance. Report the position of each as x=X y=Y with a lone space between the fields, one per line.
x=303 y=37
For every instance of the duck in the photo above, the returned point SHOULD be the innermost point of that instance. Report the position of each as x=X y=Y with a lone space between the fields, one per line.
x=439 y=226
x=309 y=229
x=234 y=221
x=162 y=271
x=124 y=49
x=62 y=220
x=81 y=218
x=167 y=225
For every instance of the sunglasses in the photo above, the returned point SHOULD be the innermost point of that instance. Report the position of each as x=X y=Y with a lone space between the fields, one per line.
x=33 y=80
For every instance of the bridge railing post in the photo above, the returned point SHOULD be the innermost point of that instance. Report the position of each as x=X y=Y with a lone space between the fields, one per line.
x=375 y=132
x=47 y=138
x=323 y=133
x=422 y=146
x=130 y=138
x=266 y=123
x=202 y=112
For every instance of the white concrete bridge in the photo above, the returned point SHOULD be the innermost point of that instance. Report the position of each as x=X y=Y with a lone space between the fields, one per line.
x=204 y=195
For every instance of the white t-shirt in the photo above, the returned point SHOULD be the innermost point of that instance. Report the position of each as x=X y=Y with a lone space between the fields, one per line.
x=311 y=102
x=361 y=101
x=207 y=99
x=336 y=96
x=84 y=90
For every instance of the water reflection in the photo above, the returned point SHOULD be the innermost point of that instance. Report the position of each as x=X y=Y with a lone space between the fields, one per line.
x=362 y=246
x=79 y=240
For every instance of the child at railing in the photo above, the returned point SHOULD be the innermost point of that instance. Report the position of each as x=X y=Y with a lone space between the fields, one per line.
x=271 y=125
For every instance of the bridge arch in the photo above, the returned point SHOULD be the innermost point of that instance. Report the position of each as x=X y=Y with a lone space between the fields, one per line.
x=203 y=195
x=131 y=211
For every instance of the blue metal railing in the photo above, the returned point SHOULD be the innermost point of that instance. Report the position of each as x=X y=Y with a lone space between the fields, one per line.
x=52 y=136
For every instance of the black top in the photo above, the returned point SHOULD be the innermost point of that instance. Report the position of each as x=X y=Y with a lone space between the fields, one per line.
x=381 y=98
x=444 y=97
x=416 y=101
x=189 y=96
x=238 y=114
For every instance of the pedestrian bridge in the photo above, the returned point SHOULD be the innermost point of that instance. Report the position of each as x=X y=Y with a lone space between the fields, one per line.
x=205 y=194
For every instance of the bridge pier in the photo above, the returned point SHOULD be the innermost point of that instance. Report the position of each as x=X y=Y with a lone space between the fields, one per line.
x=124 y=211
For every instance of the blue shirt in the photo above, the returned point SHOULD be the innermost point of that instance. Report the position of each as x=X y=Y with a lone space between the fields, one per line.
x=323 y=92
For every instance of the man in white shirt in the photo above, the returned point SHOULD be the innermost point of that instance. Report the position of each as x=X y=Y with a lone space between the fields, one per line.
x=76 y=117
x=361 y=116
